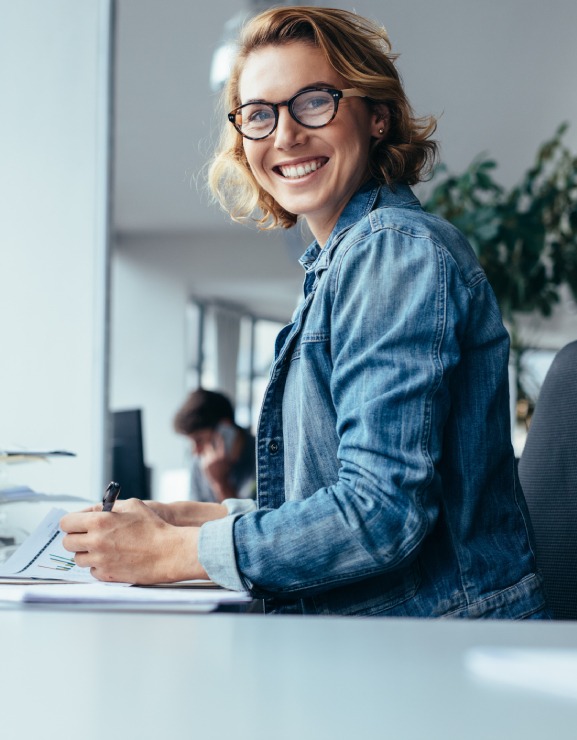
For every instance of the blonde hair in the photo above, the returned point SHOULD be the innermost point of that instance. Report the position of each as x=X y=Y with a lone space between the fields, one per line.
x=359 y=51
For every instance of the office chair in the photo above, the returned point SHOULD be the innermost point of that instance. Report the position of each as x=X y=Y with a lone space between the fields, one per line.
x=548 y=474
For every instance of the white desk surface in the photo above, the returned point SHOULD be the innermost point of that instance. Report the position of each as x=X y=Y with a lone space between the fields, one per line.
x=119 y=676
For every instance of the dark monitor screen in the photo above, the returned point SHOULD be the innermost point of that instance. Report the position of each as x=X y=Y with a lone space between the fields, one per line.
x=128 y=466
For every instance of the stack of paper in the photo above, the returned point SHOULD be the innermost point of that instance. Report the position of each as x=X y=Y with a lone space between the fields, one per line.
x=114 y=595
x=20 y=456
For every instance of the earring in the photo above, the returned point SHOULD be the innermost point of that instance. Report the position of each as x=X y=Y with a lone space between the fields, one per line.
x=381 y=131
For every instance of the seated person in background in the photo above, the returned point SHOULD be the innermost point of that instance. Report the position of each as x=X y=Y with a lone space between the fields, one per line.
x=223 y=463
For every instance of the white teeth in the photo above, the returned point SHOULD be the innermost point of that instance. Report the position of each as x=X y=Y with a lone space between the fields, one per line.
x=300 y=170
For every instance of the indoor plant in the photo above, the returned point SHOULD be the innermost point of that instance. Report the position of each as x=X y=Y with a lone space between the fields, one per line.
x=525 y=237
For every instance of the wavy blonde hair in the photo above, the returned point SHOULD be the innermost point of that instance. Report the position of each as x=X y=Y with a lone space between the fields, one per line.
x=359 y=51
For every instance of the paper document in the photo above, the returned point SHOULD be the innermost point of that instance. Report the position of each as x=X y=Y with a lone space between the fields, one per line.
x=16 y=494
x=42 y=555
x=20 y=456
x=548 y=670
x=123 y=596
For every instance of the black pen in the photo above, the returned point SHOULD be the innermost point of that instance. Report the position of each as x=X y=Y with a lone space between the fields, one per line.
x=110 y=495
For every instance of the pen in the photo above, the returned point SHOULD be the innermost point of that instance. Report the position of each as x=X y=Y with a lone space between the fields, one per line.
x=110 y=495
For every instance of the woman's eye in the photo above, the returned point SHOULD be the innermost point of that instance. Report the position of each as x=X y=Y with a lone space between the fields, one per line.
x=315 y=103
x=259 y=115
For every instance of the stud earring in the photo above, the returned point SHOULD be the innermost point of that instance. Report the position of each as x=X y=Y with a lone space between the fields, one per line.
x=381 y=131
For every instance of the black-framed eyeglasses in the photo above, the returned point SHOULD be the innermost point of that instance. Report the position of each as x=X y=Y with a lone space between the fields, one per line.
x=313 y=108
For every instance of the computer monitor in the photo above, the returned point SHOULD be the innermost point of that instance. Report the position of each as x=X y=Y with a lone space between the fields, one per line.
x=128 y=466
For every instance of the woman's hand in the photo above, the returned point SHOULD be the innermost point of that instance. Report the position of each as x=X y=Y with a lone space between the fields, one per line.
x=132 y=544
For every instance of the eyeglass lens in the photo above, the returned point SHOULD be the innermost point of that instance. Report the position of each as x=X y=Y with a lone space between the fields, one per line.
x=312 y=108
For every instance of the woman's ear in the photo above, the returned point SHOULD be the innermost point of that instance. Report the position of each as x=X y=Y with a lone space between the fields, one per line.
x=381 y=121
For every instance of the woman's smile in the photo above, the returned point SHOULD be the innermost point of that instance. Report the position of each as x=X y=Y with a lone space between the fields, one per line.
x=298 y=170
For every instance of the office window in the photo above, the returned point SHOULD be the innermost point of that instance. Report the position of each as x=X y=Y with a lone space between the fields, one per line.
x=231 y=351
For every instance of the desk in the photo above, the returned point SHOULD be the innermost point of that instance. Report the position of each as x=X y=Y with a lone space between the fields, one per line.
x=104 y=676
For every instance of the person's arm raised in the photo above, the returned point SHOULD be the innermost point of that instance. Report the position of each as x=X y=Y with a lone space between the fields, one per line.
x=216 y=465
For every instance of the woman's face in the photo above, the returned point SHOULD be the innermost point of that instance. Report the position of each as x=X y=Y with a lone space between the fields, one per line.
x=339 y=151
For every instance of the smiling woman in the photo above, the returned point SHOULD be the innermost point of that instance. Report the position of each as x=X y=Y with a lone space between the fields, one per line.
x=362 y=79
x=386 y=479
x=310 y=171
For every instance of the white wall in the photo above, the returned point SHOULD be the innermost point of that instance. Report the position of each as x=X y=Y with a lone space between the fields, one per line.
x=499 y=73
x=54 y=92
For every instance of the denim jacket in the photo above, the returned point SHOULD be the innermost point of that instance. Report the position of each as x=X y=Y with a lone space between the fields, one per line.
x=387 y=482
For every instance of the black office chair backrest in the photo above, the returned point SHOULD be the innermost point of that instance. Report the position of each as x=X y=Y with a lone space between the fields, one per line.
x=548 y=473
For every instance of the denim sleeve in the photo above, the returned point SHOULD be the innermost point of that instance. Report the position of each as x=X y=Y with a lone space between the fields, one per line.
x=216 y=546
x=395 y=305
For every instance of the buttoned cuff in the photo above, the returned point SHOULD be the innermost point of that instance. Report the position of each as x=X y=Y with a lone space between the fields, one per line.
x=216 y=546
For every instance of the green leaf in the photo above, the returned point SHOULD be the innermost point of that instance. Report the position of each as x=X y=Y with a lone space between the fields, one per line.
x=525 y=237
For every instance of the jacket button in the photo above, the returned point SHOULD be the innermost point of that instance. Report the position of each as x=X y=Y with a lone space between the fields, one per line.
x=273 y=447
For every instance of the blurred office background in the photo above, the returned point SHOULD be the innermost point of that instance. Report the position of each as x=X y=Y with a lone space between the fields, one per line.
x=141 y=288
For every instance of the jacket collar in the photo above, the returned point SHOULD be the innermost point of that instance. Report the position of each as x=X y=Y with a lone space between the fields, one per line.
x=371 y=195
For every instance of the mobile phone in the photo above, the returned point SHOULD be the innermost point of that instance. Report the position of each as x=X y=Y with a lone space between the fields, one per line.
x=228 y=433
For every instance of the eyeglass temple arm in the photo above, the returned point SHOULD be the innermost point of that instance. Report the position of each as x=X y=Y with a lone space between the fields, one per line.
x=353 y=92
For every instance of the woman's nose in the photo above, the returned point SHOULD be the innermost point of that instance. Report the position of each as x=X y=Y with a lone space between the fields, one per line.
x=288 y=133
